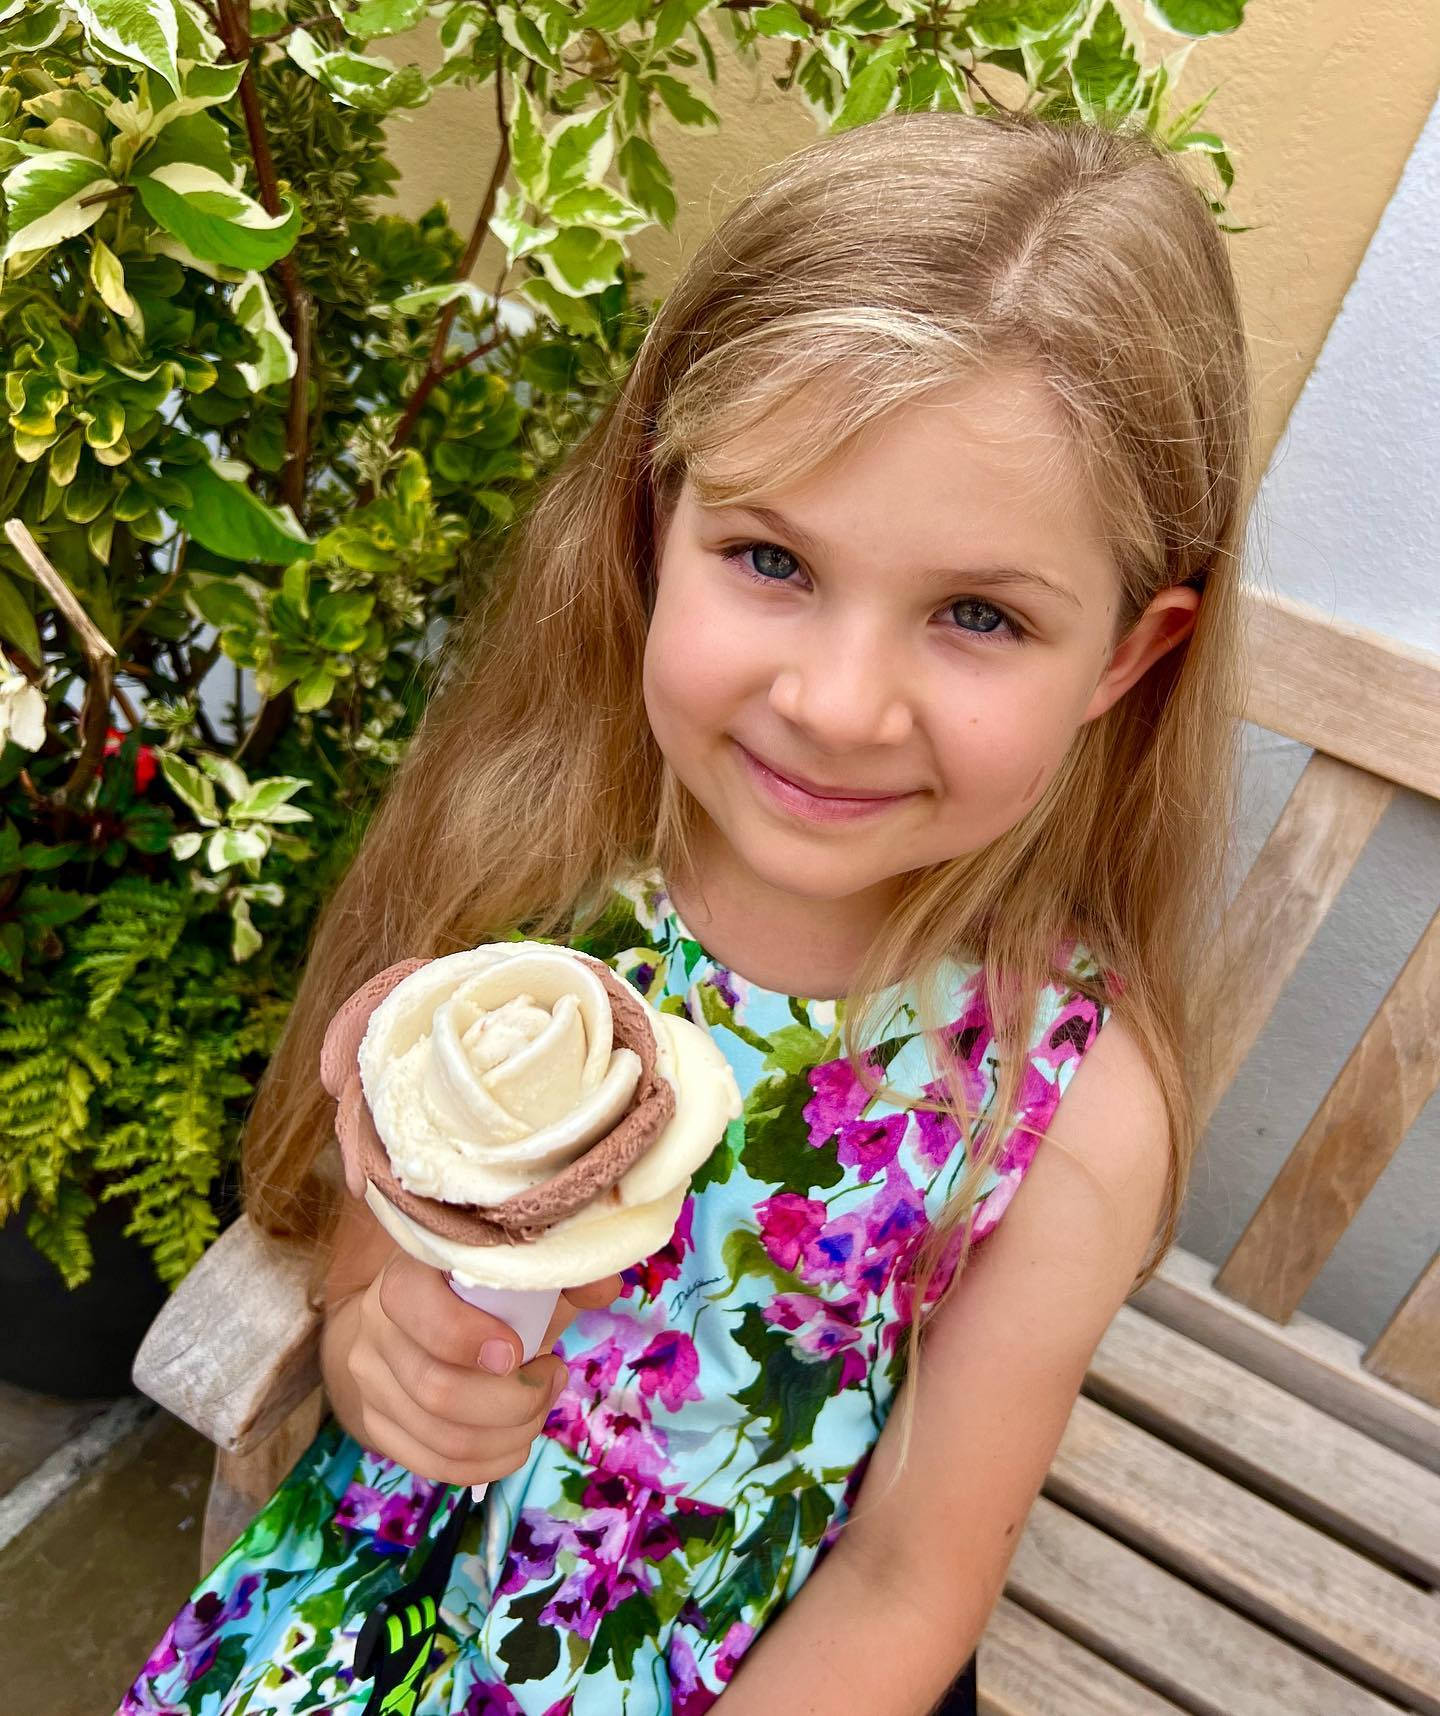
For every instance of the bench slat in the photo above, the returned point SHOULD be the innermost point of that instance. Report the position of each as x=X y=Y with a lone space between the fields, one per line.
x=235 y=1349
x=1387 y=1080
x=1368 y=1622
x=1188 y=1646
x=1266 y=1439
x=1308 y=1357
x=1331 y=813
x=1027 y=1668
x=1406 y=1352
x=1355 y=693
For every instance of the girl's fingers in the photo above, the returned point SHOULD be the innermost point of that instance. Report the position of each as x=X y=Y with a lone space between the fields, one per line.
x=389 y=1437
x=467 y=1394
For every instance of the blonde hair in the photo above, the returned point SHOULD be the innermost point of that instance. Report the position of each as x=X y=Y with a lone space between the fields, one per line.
x=861 y=274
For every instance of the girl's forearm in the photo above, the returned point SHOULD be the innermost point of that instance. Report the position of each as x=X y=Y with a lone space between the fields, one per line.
x=851 y=1640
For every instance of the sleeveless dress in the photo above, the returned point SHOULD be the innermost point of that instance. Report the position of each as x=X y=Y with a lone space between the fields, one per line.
x=719 y=1414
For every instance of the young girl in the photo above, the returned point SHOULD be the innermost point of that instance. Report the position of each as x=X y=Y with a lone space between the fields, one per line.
x=863 y=686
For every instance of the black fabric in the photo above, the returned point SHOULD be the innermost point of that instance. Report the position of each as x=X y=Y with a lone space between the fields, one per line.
x=963 y=1697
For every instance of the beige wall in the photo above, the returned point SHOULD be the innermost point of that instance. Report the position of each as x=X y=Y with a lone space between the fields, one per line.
x=1320 y=100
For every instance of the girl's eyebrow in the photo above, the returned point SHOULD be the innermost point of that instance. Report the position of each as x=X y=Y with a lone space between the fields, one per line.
x=776 y=521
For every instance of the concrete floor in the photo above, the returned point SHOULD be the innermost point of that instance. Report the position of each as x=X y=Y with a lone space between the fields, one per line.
x=90 y=1582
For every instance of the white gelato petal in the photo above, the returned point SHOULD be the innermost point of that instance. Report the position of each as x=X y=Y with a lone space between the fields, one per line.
x=542 y=1081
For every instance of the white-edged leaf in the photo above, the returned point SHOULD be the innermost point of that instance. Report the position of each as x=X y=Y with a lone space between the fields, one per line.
x=140 y=32
x=186 y=845
x=255 y=310
x=516 y=233
x=191 y=787
x=44 y=195
x=581 y=261
x=227 y=846
x=109 y=279
x=245 y=938
x=581 y=149
x=432 y=297
x=226 y=772
x=214 y=220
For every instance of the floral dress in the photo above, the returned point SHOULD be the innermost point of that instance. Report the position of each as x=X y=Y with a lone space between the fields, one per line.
x=718 y=1417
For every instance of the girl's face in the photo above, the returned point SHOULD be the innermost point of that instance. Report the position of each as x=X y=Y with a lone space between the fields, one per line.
x=931 y=618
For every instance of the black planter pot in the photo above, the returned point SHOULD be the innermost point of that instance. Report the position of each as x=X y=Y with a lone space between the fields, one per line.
x=80 y=1343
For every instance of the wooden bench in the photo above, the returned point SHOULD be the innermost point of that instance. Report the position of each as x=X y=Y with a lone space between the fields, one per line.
x=1243 y=1517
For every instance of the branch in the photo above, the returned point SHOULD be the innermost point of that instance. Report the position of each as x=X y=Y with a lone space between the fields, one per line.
x=236 y=33
x=159 y=596
x=94 y=717
x=435 y=364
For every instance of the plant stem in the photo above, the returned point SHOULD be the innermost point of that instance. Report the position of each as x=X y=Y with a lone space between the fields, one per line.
x=435 y=364
x=94 y=718
x=236 y=33
x=159 y=596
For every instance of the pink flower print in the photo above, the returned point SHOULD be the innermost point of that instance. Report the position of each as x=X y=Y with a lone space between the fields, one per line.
x=788 y=1222
x=839 y=1097
x=994 y=1204
x=870 y=1145
x=397 y=1520
x=831 y=1254
x=586 y=1597
x=536 y=1540
x=852 y=1369
x=663 y=1265
x=936 y=1134
x=620 y=1442
x=738 y=1637
x=192 y=1638
x=895 y=1212
x=822 y=1327
x=669 y=1367
x=490 y=1698
x=689 y=1697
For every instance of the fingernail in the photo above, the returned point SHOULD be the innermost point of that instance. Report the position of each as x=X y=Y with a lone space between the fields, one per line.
x=498 y=1356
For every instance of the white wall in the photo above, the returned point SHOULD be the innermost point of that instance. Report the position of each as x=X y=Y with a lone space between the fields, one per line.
x=1349 y=521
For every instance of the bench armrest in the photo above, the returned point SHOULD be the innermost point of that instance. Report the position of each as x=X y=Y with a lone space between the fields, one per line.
x=236 y=1347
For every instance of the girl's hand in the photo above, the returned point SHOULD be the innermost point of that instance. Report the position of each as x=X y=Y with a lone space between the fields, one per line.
x=437 y=1384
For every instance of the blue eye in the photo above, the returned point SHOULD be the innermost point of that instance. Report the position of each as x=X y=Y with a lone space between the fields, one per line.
x=985 y=620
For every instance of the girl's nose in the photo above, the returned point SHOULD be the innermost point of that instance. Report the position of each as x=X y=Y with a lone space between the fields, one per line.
x=845 y=695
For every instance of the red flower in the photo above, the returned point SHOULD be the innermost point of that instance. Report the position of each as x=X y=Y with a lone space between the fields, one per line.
x=144 y=757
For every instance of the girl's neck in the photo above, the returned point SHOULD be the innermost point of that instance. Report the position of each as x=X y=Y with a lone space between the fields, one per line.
x=775 y=939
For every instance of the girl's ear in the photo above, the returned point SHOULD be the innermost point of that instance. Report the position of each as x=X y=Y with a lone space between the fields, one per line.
x=1164 y=624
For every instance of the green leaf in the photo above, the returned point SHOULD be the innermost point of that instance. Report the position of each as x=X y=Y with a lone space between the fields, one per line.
x=529 y=152
x=365 y=81
x=228 y=519
x=143 y=31
x=225 y=772
x=222 y=602
x=109 y=279
x=628 y=1627
x=1105 y=70
x=264 y=796
x=340 y=618
x=17 y=623
x=744 y=1253
x=788 y=1392
x=44 y=194
x=213 y=220
x=781 y=19
x=42 y=906
x=581 y=261
x=1009 y=23
x=228 y=846
x=255 y=311
x=777 y=1150
x=686 y=108
x=383 y=17
x=1198 y=17
x=873 y=88
x=647 y=179
x=581 y=149
x=190 y=786
x=314 y=689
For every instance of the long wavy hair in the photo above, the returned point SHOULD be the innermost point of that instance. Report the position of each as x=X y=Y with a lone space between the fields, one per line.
x=862 y=272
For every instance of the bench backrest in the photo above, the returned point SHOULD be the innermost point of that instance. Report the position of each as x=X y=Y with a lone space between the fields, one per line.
x=1370 y=708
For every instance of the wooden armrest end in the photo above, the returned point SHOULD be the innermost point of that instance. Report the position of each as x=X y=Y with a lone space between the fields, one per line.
x=237 y=1346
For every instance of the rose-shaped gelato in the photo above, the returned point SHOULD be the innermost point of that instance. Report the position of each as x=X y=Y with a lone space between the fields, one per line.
x=522 y=1116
